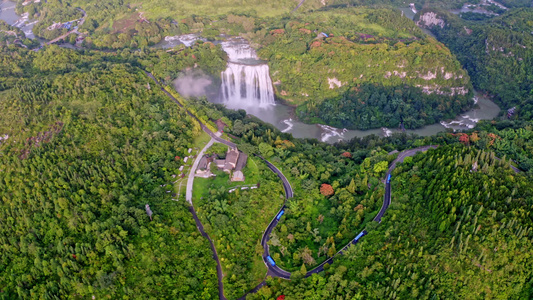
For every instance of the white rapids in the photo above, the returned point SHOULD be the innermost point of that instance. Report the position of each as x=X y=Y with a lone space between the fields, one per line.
x=246 y=81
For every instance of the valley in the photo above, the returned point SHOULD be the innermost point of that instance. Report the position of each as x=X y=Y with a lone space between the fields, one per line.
x=318 y=149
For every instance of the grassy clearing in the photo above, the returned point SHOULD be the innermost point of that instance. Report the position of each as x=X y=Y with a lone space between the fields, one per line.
x=222 y=180
x=181 y=9
x=201 y=141
x=235 y=221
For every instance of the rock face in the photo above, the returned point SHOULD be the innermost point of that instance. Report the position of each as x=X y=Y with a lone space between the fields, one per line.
x=452 y=91
x=430 y=19
x=334 y=82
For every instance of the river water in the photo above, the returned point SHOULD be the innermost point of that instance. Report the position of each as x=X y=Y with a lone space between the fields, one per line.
x=194 y=83
x=8 y=14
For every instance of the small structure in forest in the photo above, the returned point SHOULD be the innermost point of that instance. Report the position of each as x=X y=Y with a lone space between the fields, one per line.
x=237 y=176
x=148 y=211
x=204 y=166
x=233 y=164
x=322 y=35
x=510 y=112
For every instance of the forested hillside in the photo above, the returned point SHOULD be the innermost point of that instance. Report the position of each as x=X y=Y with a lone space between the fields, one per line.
x=459 y=226
x=458 y=213
x=125 y=23
x=360 y=68
x=88 y=138
x=84 y=146
x=355 y=68
x=498 y=54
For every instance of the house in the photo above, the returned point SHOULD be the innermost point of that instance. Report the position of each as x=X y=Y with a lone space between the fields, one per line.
x=231 y=160
x=237 y=176
x=220 y=163
x=204 y=169
x=241 y=161
x=235 y=162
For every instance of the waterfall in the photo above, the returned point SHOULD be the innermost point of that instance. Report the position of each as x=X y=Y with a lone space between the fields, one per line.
x=246 y=81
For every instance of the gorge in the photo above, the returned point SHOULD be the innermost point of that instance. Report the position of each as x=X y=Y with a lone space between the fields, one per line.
x=246 y=84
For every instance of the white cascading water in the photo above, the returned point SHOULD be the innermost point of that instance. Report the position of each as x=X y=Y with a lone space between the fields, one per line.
x=246 y=81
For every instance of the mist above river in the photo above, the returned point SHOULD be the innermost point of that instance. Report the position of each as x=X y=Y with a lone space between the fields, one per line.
x=246 y=84
x=196 y=84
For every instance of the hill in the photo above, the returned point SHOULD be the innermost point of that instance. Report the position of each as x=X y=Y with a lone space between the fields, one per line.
x=85 y=144
x=362 y=68
x=448 y=234
x=498 y=53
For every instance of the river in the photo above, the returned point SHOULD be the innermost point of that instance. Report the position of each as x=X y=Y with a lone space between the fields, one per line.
x=194 y=83
x=8 y=14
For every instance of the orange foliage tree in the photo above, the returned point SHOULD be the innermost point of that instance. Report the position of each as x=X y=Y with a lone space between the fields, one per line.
x=463 y=138
x=326 y=190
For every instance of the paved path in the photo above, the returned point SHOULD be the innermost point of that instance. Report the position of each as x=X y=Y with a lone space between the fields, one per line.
x=273 y=271
x=298 y=6
x=199 y=225
x=190 y=182
x=192 y=172
x=82 y=20
x=276 y=271
x=399 y=159
x=215 y=254
x=204 y=128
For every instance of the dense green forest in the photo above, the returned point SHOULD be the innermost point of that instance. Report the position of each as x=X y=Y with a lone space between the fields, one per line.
x=385 y=51
x=89 y=143
x=109 y=140
x=425 y=232
x=498 y=54
x=459 y=226
x=334 y=79
x=87 y=139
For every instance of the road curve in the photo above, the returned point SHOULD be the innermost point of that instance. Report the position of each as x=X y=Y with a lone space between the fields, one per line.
x=276 y=271
x=399 y=159
x=188 y=192
x=204 y=128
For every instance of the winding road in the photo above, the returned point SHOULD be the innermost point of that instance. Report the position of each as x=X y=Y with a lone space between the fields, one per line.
x=190 y=181
x=275 y=270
